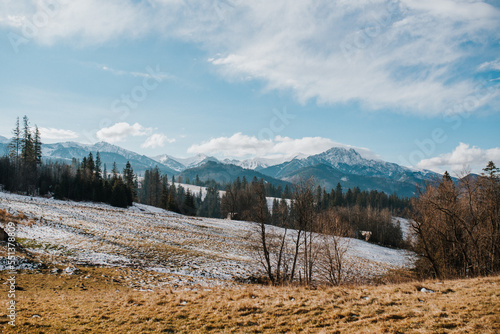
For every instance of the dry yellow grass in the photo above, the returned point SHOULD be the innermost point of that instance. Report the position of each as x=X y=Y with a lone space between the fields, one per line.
x=97 y=300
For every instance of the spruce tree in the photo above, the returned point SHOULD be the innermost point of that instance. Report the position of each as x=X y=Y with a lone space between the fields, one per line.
x=37 y=147
x=15 y=143
x=98 y=166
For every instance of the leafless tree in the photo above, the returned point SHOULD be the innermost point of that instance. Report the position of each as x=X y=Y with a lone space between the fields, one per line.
x=334 y=246
x=457 y=224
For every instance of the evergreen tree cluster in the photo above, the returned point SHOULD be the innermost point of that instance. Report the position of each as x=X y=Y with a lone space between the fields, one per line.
x=20 y=170
x=243 y=200
x=155 y=189
x=85 y=181
x=366 y=199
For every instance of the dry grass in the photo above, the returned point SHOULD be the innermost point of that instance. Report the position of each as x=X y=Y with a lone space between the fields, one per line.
x=97 y=300
x=6 y=217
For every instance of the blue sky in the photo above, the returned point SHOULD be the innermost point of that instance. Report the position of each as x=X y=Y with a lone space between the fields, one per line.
x=411 y=82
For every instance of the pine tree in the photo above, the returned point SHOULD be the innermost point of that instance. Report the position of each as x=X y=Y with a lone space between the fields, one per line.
x=15 y=143
x=27 y=151
x=114 y=171
x=98 y=166
x=189 y=207
x=90 y=165
x=37 y=147
x=128 y=175
x=14 y=154
x=105 y=172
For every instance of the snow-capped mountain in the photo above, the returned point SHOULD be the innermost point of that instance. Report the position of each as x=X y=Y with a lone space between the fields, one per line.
x=169 y=161
x=108 y=153
x=196 y=160
x=348 y=167
x=262 y=162
x=259 y=163
x=181 y=164
x=347 y=160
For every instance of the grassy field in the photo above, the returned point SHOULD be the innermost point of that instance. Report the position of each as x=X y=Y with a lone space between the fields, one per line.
x=100 y=300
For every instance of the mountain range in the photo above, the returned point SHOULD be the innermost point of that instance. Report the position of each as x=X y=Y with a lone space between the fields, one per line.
x=336 y=165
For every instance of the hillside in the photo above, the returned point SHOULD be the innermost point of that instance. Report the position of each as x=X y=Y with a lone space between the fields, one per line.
x=195 y=249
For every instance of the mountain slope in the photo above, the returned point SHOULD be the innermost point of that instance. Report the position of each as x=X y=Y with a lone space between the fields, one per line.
x=225 y=173
x=349 y=164
x=181 y=164
x=328 y=177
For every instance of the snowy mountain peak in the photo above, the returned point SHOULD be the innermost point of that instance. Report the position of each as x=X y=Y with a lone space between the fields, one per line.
x=180 y=164
x=337 y=155
x=105 y=146
x=169 y=161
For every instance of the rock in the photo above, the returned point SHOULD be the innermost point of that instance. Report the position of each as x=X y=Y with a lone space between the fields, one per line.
x=71 y=270
x=3 y=235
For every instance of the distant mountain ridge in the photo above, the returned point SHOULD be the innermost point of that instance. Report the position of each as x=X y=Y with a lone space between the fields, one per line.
x=345 y=165
x=336 y=165
x=226 y=173
x=109 y=153
x=181 y=164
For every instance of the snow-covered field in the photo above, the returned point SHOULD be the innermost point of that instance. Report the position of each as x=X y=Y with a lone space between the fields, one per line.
x=193 y=250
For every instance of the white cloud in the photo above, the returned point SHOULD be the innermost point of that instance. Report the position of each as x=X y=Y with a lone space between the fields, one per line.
x=240 y=146
x=157 y=140
x=57 y=134
x=404 y=55
x=463 y=156
x=382 y=64
x=156 y=75
x=490 y=65
x=119 y=131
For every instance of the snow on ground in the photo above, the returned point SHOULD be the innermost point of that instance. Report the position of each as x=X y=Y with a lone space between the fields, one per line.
x=195 y=250
x=196 y=190
x=408 y=233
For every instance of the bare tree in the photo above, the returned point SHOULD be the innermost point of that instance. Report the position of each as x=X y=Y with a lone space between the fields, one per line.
x=334 y=246
x=304 y=218
x=458 y=225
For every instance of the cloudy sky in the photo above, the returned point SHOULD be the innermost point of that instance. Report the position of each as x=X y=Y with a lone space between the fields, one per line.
x=416 y=82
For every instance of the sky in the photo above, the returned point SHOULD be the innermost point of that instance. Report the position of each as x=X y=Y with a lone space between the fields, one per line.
x=415 y=82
